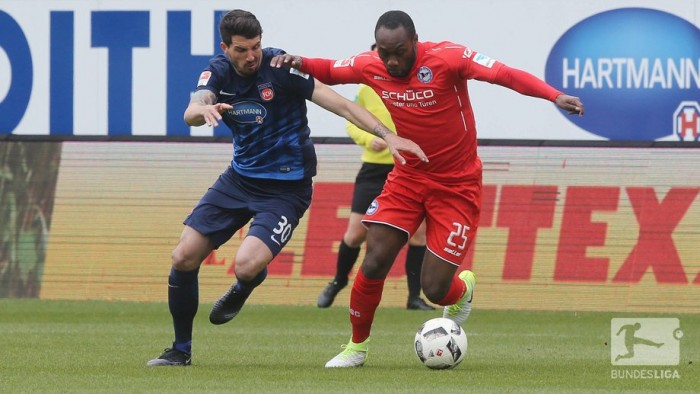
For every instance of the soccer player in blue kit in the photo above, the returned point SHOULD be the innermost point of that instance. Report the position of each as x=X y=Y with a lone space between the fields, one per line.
x=270 y=177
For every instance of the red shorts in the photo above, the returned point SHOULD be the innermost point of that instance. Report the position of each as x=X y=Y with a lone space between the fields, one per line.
x=451 y=212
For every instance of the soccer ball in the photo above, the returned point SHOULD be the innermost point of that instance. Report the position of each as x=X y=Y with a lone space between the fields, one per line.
x=440 y=343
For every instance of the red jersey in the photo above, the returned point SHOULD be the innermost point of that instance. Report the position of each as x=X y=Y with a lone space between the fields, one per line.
x=431 y=105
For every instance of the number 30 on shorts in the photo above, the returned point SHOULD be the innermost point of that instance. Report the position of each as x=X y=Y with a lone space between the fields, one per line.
x=284 y=230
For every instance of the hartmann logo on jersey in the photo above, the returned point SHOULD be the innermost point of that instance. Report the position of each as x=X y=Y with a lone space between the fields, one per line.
x=247 y=112
x=636 y=69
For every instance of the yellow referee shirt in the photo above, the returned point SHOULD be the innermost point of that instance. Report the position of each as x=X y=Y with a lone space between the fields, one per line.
x=367 y=98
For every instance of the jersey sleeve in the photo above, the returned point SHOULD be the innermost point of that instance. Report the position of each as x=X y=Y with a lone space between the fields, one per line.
x=303 y=83
x=332 y=72
x=300 y=83
x=466 y=63
x=525 y=83
x=213 y=76
x=474 y=65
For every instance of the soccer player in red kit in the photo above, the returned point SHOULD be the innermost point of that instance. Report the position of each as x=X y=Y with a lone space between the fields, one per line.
x=423 y=85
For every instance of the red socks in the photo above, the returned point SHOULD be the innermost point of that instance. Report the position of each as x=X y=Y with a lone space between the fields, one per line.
x=457 y=290
x=367 y=293
x=364 y=300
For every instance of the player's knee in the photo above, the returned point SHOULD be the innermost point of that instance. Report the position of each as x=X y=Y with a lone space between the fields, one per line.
x=247 y=272
x=182 y=261
x=248 y=268
x=374 y=268
x=378 y=261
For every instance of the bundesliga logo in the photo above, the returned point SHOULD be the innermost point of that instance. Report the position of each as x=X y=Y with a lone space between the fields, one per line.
x=645 y=341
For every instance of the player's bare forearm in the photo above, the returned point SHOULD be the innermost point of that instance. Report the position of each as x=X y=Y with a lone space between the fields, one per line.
x=381 y=131
x=352 y=112
x=203 y=110
x=365 y=119
x=394 y=143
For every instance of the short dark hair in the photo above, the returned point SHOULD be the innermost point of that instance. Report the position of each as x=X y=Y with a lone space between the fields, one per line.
x=373 y=46
x=395 y=19
x=239 y=23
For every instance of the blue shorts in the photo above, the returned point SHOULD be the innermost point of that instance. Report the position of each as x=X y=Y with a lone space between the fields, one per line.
x=274 y=206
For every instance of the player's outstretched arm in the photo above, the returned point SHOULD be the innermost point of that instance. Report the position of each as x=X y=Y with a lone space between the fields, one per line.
x=328 y=99
x=571 y=104
x=202 y=109
x=528 y=84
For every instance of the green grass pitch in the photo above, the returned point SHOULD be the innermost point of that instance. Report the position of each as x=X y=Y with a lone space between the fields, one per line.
x=99 y=346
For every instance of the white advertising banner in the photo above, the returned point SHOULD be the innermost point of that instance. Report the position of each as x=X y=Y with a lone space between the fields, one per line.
x=127 y=68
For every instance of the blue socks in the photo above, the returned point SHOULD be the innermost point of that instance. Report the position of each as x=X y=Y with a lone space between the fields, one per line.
x=246 y=287
x=183 y=301
x=183 y=347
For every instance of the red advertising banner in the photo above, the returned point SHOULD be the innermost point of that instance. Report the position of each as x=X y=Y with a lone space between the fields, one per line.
x=562 y=228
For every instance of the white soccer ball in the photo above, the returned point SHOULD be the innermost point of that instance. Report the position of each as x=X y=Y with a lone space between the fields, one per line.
x=440 y=343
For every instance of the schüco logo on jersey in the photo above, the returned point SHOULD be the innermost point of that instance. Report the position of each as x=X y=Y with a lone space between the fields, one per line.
x=637 y=70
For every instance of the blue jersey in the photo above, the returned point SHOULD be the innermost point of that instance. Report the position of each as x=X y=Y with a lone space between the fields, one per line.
x=268 y=120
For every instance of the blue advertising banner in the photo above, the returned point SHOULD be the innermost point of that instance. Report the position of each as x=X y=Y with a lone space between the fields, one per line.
x=639 y=70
